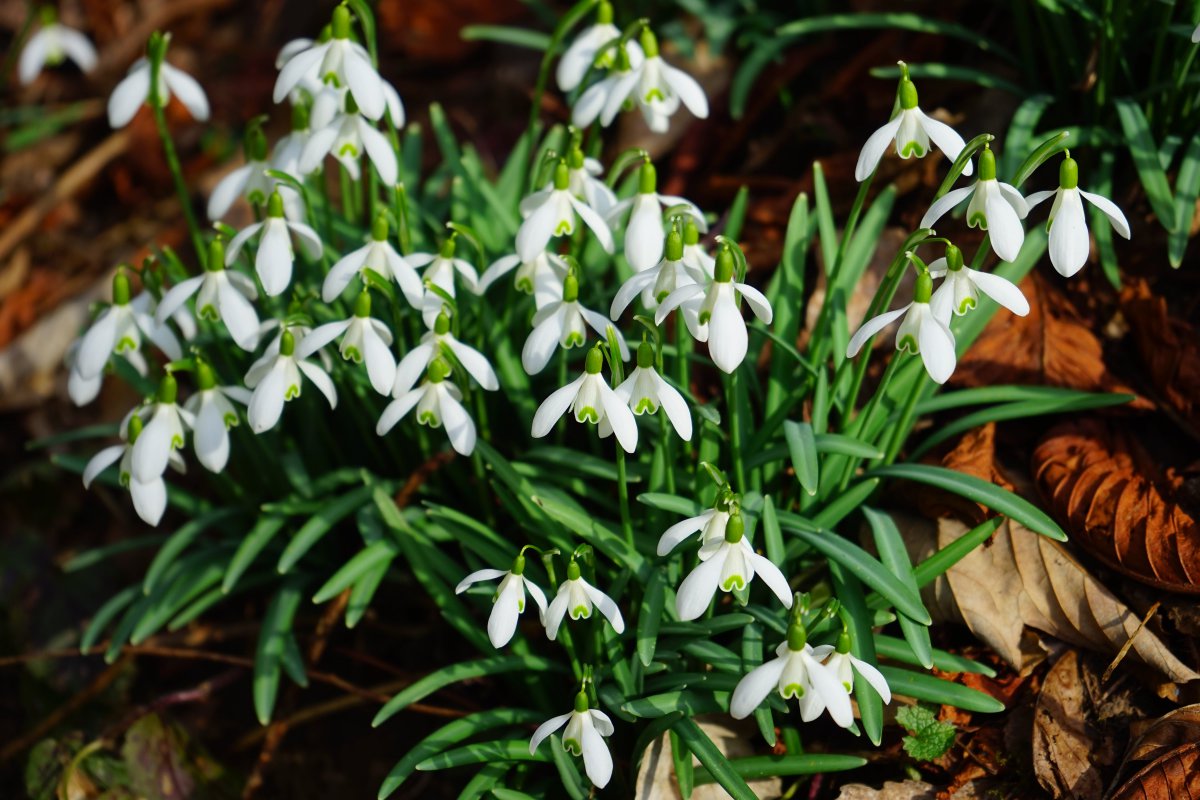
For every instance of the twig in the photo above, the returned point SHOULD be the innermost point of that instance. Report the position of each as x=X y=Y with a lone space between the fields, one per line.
x=197 y=694
x=1129 y=643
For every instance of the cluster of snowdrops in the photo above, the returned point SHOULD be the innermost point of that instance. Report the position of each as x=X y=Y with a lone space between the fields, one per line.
x=339 y=101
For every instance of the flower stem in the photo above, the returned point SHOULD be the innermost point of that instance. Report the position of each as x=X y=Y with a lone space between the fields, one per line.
x=904 y=425
x=173 y=165
x=735 y=428
x=623 y=496
x=864 y=419
x=822 y=339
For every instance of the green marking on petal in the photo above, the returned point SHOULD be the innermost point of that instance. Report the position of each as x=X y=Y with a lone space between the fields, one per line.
x=429 y=418
x=292 y=392
x=908 y=343
x=348 y=149
x=125 y=344
x=705 y=316
x=231 y=420
x=588 y=414
x=978 y=220
x=352 y=354
x=846 y=685
x=574 y=339
x=123 y=479
x=256 y=197
x=520 y=606
x=176 y=442
x=525 y=285
x=652 y=95
x=564 y=228
x=209 y=312
x=645 y=406
x=966 y=305
x=912 y=149
x=792 y=690
x=734 y=583
x=580 y=612
x=573 y=747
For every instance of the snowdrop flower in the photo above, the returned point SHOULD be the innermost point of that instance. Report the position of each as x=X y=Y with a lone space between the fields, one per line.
x=562 y=323
x=509 y=601
x=363 y=340
x=959 y=292
x=586 y=728
x=694 y=257
x=542 y=277
x=796 y=671
x=149 y=497
x=644 y=233
x=249 y=180
x=582 y=54
x=551 y=212
x=731 y=565
x=710 y=525
x=134 y=88
x=601 y=99
x=437 y=401
x=162 y=434
x=657 y=283
x=439 y=271
x=584 y=182
x=645 y=391
x=911 y=130
x=339 y=60
x=719 y=316
x=1069 y=240
x=921 y=332
x=84 y=390
x=432 y=346
x=346 y=137
x=276 y=379
x=220 y=294
x=119 y=330
x=590 y=399
x=378 y=255
x=996 y=207
x=1196 y=34
x=309 y=84
x=214 y=415
x=275 y=257
x=577 y=597
x=843 y=664
x=657 y=88
x=52 y=45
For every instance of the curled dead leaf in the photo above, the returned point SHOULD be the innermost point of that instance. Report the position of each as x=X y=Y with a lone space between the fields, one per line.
x=1173 y=776
x=1107 y=492
x=1155 y=738
x=1068 y=750
x=1170 y=349
x=974 y=454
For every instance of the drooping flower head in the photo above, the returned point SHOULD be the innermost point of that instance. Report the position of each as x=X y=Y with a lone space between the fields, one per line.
x=577 y=598
x=644 y=239
x=249 y=180
x=437 y=401
x=590 y=399
x=645 y=391
x=959 y=291
x=584 y=51
x=995 y=207
x=655 y=86
x=275 y=257
x=221 y=294
x=53 y=44
x=364 y=339
x=119 y=330
x=843 y=664
x=339 y=60
x=348 y=136
x=583 y=736
x=378 y=255
x=214 y=415
x=434 y=345
x=276 y=379
x=1070 y=243
x=508 y=603
x=562 y=323
x=658 y=282
x=163 y=432
x=731 y=566
x=542 y=277
x=710 y=525
x=134 y=88
x=911 y=130
x=552 y=212
x=149 y=497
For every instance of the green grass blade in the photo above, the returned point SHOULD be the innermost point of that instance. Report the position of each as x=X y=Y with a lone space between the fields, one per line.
x=482 y=753
x=320 y=524
x=1145 y=158
x=763 y=767
x=713 y=760
x=936 y=690
x=252 y=544
x=894 y=556
x=650 y=616
x=268 y=657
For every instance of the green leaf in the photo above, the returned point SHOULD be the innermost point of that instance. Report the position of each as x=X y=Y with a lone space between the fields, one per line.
x=671 y=503
x=1145 y=158
x=252 y=544
x=320 y=524
x=180 y=541
x=482 y=753
x=900 y=650
x=772 y=534
x=89 y=558
x=689 y=702
x=761 y=767
x=935 y=690
x=106 y=614
x=841 y=444
x=268 y=657
x=1187 y=189
x=929 y=739
x=713 y=760
x=979 y=491
x=894 y=556
x=362 y=563
x=803 y=449
x=1020 y=133
x=650 y=616
x=461 y=672
x=504 y=34
x=950 y=72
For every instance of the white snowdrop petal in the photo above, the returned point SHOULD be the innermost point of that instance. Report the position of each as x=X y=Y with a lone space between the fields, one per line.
x=397 y=409
x=411 y=368
x=175 y=297
x=297 y=67
x=211 y=437
x=597 y=761
x=554 y=406
x=945 y=203
x=365 y=85
x=310 y=242
x=1003 y=291
x=319 y=337
x=675 y=407
x=754 y=688
x=33 y=57
x=238 y=315
x=1037 y=197
x=681 y=531
x=876 y=145
x=688 y=89
x=837 y=700
x=774 y=579
x=188 y=90
x=1110 y=209
x=636 y=284
x=606 y=606
x=97 y=344
x=945 y=137
x=460 y=428
x=536 y=230
x=477 y=576
x=623 y=423
x=100 y=462
x=380 y=151
x=874 y=677
x=696 y=592
x=274 y=259
x=129 y=96
x=266 y=403
x=381 y=366
x=541 y=343
x=618 y=93
x=675 y=299
x=1004 y=226
x=239 y=241
x=476 y=365
x=321 y=380
x=228 y=190
x=502 y=622
x=937 y=348
x=545 y=729
x=149 y=499
x=644 y=234
x=316 y=148
x=728 y=339
x=757 y=301
x=594 y=221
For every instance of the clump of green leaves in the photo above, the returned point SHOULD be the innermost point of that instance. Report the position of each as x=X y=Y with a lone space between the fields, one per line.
x=929 y=738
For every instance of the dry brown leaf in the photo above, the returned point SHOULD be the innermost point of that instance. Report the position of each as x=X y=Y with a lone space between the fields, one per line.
x=1064 y=739
x=892 y=790
x=1050 y=346
x=1174 y=776
x=1170 y=348
x=1110 y=496
x=973 y=455
x=1155 y=737
x=1023 y=580
x=656 y=776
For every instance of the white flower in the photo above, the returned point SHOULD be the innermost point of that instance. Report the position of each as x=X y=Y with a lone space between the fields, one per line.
x=718 y=319
x=645 y=391
x=694 y=257
x=363 y=340
x=796 y=671
x=959 y=292
x=275 y=379
x=214 y=415
x=843 y=664
x=309 y=84
x=996 y=207
x=220 y=294
x=658 y=282
x=346 y=137
x=119 y=330
x=657 y=88
x=439 y=271
x=601 y=98
x=542 y=277
x=562 y=323
x=84 y=390
x=346 y=62
x=286 y=156
x=921 y=332
x=644 y=233
x=275 y=257
x=551 y=212
x=52 y=45
x=437 y=401
x=134 y=90
x=249 y=180
x=710 y=525
x=731 y=564
x=577 y=597
x=149 y=497
x=582 y=53
x=163 y=433
x=1069 y=239
x=421 y=357
x=590 y=399
x=911 y=129
x=509 y=601
x=583 y=737
x=378 y=255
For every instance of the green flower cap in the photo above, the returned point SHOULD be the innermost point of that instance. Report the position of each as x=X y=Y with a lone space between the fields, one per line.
x=1068 y=173
x=573 y=571
x=645 y=355
x=518 y=566
x=924 y=288
x=438 y=371
x=120 y=288
x=562 y=176
x=594 y=362
x=649 y=43
x=287 y=343
x=300 y=117
x=647 y=179
x=604 y=13
x=379 y=228
x=254 y=142
x=275 y=205
x=134 y=429
x=724 y=269
x=735 y=529
x=570 y=292
x=581 y=702
x=575 y=159
x=674 y=249
x=168 y=389
x=987 y=164
x=341 y=23
x=691 y=234
x=843 y=642
x=797 y=637
x=216 y=255
x=362 y=304
x=441 y=325
x=954 y=258
x=447 y=250
x=205 y=379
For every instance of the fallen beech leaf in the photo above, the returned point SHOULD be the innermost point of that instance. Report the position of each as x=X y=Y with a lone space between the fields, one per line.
x=1064 y=740
x=1170 y=348
x=1115 y=502
x=1051 y=346
x=972 y=455
x=891 y=790
x=1020 y=579
x=1156 y=737
x=1174 y=776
